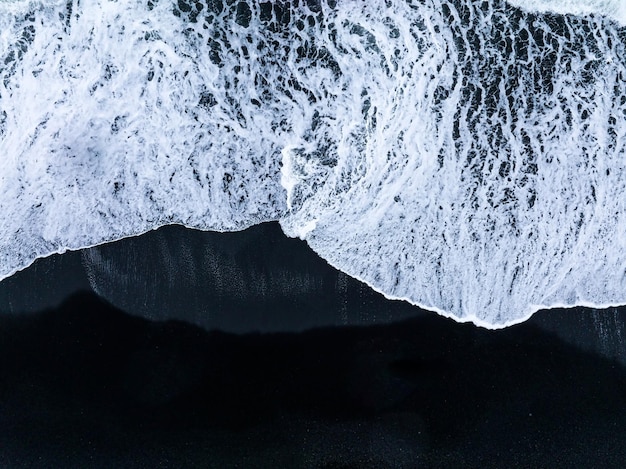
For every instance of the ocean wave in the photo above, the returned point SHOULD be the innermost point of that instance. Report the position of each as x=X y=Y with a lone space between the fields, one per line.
x=464 y=156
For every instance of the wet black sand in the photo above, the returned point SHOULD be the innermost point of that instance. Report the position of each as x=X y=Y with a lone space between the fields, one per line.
x=87 y=385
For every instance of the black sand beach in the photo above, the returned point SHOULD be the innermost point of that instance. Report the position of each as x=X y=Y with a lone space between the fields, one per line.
x=331 y=376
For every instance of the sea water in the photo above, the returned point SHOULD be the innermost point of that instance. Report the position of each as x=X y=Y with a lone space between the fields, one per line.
x=466 y=156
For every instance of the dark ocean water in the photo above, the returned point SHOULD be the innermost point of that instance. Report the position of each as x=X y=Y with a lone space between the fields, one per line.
x=374 y=384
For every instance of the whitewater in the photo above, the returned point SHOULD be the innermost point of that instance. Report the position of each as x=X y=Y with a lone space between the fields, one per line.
x=465 y=156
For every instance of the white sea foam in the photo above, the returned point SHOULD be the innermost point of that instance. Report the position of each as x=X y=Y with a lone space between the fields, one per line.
x=461 y=155
x=615 y=9
x=117 y=121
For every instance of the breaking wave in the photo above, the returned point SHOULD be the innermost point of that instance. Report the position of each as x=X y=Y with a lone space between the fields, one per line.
x=467 y=156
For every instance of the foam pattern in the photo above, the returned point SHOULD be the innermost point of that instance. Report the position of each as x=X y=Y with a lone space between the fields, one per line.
x=467 y=156
x=615 y=9
x=486 y=177
x=119 y=117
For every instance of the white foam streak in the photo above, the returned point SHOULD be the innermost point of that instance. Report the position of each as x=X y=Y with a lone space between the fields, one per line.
x=615 y=9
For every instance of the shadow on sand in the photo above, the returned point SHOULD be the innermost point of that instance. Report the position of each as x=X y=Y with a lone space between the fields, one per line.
x=86 y=385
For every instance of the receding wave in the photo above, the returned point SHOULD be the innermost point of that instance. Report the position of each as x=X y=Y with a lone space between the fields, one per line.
x=466 y=156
